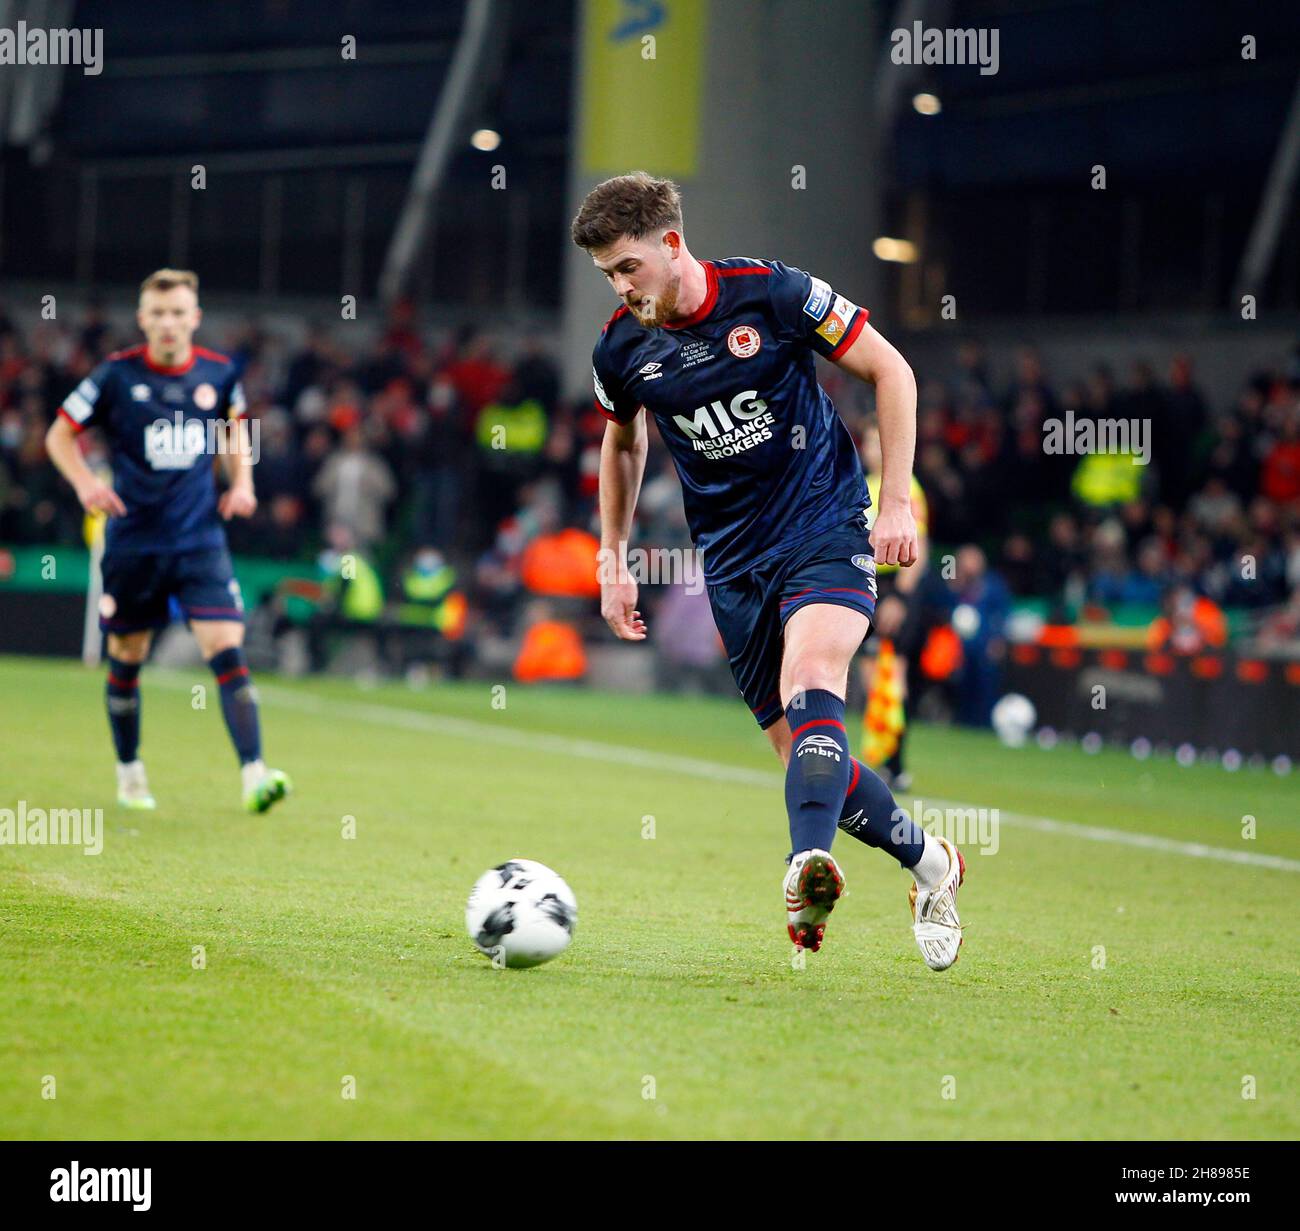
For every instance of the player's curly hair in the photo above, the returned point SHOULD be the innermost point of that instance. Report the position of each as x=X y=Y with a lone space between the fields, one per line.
x=631 y=206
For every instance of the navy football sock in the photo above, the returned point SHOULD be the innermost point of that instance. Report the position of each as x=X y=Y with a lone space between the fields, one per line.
x=238 y=703
x=817 y=778
x=122 y=697
x=871 y=815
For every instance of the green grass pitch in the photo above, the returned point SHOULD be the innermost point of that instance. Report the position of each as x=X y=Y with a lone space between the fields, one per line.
x=330 y=959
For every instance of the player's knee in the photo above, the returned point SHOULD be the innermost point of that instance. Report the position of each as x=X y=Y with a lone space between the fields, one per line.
x=817 y=670
x=128 y=647
x=217 y=639
x=219 y=645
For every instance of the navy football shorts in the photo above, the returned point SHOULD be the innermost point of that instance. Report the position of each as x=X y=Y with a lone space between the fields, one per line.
x=836 y=566
x=138 y=589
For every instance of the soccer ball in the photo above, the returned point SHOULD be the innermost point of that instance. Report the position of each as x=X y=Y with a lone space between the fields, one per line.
x=521 y=913
x=1013 y=718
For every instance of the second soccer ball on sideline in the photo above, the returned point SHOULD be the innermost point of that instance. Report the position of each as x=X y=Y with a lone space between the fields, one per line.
x=521 y=913
x=1013 y=719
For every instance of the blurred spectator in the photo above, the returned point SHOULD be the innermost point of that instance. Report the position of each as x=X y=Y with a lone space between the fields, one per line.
x=981 y=603
x=537 y=376
x=551 y=649
x=1280 y=479
x=689 y=646
x=477 y=375
x=1189 y=623
x=511 y=434
x=355 y=486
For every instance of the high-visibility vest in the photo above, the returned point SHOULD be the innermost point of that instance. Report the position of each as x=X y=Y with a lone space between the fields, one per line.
x=522 y=427
x=562 y=564
x=552 y=650
x=432 y=602
x=1103 y=479
x=362 y=592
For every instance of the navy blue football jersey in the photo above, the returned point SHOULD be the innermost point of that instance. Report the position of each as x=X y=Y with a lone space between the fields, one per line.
x=163 y=426
x=764 y=459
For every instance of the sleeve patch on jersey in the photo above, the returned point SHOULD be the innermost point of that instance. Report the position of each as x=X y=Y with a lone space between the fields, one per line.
x=818 y=300
x=77 y=407
x=601 y=396
x=836 y=324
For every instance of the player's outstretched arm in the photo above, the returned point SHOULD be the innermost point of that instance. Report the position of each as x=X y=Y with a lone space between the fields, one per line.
x=873 y=359
x=95 y=495
x=622 y=465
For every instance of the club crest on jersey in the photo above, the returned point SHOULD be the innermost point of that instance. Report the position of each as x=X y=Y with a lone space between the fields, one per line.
x=744 y=341
x=205 y=396
x=140 y=392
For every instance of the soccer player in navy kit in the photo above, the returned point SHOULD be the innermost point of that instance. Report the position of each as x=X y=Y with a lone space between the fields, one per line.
x=721 y=353
x=165 y=408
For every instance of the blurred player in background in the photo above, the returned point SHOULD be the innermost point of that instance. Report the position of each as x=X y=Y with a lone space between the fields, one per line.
x=900 y=630
x=164 y=408
x=722 y=354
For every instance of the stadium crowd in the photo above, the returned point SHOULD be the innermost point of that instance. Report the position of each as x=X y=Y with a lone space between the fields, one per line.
x=426 y=444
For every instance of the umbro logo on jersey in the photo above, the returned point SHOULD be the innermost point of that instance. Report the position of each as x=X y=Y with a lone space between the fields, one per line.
x=140 y=392
x=651 y=371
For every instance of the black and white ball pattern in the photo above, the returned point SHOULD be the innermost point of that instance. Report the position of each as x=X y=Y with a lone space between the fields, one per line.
x=521 y=913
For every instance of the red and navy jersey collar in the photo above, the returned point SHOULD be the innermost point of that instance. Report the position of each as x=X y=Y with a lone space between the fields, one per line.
x=179 y=369
x=701 y=313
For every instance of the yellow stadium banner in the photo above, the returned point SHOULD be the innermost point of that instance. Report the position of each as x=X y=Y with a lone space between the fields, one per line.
x=642 y=86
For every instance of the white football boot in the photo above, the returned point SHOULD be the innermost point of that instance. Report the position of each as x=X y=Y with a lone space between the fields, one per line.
x=133 y=786
x=812 y=886
x=934 y=912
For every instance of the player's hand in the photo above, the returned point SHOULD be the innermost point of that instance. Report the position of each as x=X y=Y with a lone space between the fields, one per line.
x=618 y=608
x=889 y=615
x=237 y=502
x=893 y=537
x=96 y=496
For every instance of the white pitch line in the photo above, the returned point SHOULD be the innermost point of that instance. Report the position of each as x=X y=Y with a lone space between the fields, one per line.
x=619 y=754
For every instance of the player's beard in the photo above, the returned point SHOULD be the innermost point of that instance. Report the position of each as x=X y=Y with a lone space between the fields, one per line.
x=661 y=307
